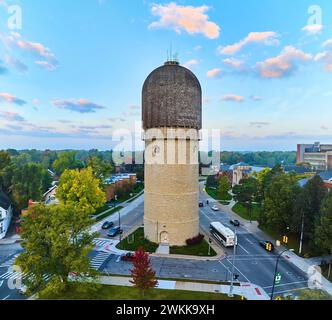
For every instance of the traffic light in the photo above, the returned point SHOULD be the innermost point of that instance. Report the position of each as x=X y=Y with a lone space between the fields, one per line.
x=268 y=247
x=285 y=239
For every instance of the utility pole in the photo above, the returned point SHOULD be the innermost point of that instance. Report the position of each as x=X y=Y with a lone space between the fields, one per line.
x=302 y=232
x=233 y=266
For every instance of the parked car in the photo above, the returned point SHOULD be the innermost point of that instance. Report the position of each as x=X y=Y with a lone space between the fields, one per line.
x=107 y=225
x=235 y=223
x=215 y=208
x=114 y=232
x=128 y=257
x=201 y=204
x=265 y=244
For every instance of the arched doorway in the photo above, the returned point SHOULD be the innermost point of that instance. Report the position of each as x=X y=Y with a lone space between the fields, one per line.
x=164 y=237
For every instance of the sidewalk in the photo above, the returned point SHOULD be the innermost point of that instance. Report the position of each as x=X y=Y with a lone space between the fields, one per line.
x=248 y=291
x=305 y=265
x=10 y=240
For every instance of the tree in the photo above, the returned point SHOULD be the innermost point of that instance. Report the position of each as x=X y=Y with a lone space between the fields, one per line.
x=246 y=192
x=5 y=162
x=29 y=181
x=143 y=276
x=81 y=188
x=56 y=242
x=314 y=294
x=67 y=160
x=323 y=229
x=314 y=193
x=99 y=167
x=223 y=188
x=279 y=205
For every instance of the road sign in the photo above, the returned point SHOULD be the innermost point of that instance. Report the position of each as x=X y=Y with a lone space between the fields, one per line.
x=278 y=278
x=278 y=298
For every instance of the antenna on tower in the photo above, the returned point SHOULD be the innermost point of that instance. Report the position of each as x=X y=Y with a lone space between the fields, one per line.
x=172 y=58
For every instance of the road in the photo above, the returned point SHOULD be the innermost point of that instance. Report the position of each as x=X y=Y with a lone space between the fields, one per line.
x=252 y=263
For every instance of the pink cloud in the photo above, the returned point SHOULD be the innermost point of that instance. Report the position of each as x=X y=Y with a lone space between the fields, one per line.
x=267 y=38
x=234 y=63
x=326 y=58
x=232 y=97
x=313 y=29
x=11 y=116
x=327 y=43
x=284 y=64
x=191 y=63
x=7 y=97
x=214 y=73
x=179 y=18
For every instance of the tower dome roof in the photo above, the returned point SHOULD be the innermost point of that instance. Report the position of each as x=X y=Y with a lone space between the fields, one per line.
x=172 y=97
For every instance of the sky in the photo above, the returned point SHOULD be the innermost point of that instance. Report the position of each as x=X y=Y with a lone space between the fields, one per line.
x=71 y=72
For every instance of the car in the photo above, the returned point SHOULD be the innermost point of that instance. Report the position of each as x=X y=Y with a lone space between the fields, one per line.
x=235 y=223
x=215 y=208
x=267 y=245
x=201 y=204
x=23 y=289
x=107 y=225
x=128 y=257
x=114 y=232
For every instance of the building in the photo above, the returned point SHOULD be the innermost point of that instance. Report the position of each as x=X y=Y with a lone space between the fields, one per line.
x=172 y=119
x=319 y=156
x=6 y=214
x=236 y=172
x=118 y=183
x=50 y=196
x=325 y=175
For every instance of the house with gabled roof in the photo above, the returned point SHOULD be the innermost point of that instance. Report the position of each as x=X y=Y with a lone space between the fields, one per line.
x=6 y=214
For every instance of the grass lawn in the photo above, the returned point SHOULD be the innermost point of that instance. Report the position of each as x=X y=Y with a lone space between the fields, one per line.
x=214 y=194
x=105 y=292
x=200 y=249
x=101 y=209
x=136 y=240
x=109 y=213
x=243 y=212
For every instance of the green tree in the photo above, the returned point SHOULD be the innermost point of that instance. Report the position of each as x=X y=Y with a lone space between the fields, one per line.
x=323 y=229
x=81 y=188
x=246 y=192
x=29 y=181
x=100 y=168
x=309 y=294
x=5 y=162
x=56 y=242
x=223 y=188
x=67 y=160
x=279 y=205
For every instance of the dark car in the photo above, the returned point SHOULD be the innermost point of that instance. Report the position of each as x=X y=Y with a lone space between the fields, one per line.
x=201 y=204
x=114 y=232
x=235 y=223
x=267 y=245
x=128 y=257
x=107 y=225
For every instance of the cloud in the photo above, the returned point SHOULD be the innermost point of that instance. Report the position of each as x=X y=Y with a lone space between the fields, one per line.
x=80 y=106
x=3 y=69
x=284 y=64
x=134 y=107
x=48 y=66
x=117 y=119
x=214 y=73
x=232 y=97
x=7 y=97
x=191 y=63
x=11 y=116
x=326 y=58
x=323 y=127
x=258 y=124
x=267 y=38
x=45 y=56
x=206 y=100
x=179 y=18
x=256 y=98
x=313 y=29
x=11 y=61
x=327 y=43
x=234 y=63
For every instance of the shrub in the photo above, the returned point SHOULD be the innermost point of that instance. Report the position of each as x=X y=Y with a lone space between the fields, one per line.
x=196 y=240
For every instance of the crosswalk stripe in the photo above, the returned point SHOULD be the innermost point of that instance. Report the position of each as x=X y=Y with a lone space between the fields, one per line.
x=99 y=259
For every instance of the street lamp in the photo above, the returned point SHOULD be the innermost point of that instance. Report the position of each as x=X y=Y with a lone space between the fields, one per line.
x=276 y=270
x=233 y=267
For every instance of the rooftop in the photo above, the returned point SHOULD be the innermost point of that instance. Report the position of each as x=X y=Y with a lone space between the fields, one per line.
x=5 y=202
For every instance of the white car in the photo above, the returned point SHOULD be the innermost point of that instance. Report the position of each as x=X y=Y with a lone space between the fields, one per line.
x=215 y=208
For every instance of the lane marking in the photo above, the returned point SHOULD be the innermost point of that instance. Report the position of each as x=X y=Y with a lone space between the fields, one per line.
x=238 y=270
x=286 y=284
x=6 y=297
x=246 y=251
x=278 y=292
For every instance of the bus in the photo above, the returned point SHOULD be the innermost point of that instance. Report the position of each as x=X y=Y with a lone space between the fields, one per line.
x=222 y=234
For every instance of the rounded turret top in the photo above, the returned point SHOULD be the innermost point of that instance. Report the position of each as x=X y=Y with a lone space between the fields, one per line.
x=172 y=97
